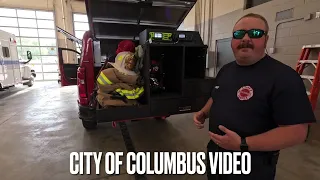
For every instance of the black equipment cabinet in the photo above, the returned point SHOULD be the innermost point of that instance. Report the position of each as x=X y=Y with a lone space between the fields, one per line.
x=187 y=89
x=183 y=64
x=182 y=52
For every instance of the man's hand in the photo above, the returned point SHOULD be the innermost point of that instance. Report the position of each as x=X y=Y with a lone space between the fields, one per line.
x=199 y=118
x=229 y=141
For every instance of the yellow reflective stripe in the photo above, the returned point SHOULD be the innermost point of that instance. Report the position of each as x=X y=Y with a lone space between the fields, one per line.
x=105 y=78
x=140 y=91
x=133 y=91
x=134 y=96
x=100 y=82
x=131 y=94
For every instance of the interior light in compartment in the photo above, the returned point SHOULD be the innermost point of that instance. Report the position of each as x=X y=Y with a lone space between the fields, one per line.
x=158 y=35
x=182 y=36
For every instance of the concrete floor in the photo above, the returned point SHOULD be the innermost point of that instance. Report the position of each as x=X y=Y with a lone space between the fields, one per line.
x=39 y=128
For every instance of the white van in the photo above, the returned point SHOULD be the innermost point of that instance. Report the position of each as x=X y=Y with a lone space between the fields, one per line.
x=13 y=71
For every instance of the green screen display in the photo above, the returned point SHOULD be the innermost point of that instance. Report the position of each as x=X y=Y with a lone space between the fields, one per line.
x=160 y=36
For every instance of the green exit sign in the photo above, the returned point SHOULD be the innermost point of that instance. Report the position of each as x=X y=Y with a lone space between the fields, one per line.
x=160 y=36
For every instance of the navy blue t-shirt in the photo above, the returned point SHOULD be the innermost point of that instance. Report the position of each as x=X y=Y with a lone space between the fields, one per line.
x=251 y=100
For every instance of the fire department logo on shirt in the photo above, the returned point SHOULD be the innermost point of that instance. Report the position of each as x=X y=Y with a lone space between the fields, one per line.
x=245 y=93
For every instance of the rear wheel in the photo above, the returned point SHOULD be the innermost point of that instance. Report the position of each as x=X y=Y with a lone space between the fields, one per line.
x=31 y=81
x=89 y=124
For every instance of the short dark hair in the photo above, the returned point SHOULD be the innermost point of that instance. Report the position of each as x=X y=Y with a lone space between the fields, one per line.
x=258 y=16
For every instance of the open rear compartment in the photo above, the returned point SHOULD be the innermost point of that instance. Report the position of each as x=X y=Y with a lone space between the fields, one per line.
x=108 y=49
x=186 y=86
x=114 y=20
x=195 y=83
x=181 y=73
x=195 y=62
x=168 y=62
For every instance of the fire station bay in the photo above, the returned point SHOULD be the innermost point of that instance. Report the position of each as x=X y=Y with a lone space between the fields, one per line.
x=159 y=89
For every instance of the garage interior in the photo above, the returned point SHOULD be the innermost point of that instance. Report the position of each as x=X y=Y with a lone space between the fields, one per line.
x=40 y=126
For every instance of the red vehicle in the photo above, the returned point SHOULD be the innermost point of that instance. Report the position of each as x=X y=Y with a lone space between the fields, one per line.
x=152 y=24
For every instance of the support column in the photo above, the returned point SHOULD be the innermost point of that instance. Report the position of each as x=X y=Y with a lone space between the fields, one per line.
x=64 y=20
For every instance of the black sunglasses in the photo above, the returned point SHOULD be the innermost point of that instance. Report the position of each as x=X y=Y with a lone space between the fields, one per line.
x=252 y=33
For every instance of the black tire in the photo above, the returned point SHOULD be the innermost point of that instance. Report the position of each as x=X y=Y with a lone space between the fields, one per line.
x=31 y=81
x=89 y=125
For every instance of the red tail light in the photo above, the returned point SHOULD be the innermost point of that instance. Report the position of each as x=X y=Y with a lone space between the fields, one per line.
x=82 y=83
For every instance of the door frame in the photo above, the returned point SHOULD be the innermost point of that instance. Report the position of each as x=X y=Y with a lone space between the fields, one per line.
x=216 y=58
x=62 y=76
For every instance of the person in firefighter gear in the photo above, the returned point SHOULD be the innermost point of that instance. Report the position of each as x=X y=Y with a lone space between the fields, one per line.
x=117 y=86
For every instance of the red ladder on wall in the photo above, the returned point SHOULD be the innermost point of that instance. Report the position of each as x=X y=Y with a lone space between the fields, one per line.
x=313 y=79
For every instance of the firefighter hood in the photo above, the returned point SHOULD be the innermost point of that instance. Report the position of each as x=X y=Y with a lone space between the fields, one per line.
x=124 y=46
x=125 y=62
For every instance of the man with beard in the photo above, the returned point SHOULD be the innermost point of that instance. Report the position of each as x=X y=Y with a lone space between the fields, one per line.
x=258 y=104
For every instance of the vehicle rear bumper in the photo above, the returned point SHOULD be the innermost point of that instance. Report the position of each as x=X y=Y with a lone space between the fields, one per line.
x=113 y=114
x=157 y=108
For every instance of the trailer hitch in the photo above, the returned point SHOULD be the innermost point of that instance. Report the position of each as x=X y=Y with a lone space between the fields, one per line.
x=114 y=123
